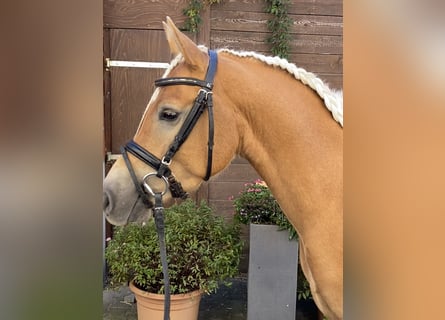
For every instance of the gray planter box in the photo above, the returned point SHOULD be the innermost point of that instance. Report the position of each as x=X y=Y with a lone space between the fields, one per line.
x=272 y=276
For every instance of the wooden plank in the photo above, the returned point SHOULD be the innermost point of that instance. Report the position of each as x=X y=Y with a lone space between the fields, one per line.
x=257 y=22
x=202 y=193
x=249 y=41
x=225 y=190
x=131 y=90
x=107 y=116
x=335 y=81
x=316 y=7
x=239 y=21
x=318 y=63
x=319 y=44
x=237 y=172
x=107 y=95
x=312 y=24
x=223 y=208
x=139 y=45
x=142 y=14
x=240 y=5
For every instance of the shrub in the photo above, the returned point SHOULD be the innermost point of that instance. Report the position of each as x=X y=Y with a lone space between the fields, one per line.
x=202 y=251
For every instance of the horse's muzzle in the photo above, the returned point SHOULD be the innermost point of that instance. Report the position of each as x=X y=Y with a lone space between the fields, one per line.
x=130 y=209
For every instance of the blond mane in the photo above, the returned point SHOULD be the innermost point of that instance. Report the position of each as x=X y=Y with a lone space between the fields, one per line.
x=333 y=99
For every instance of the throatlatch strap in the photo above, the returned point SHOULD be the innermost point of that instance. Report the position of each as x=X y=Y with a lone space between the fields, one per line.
x=158 y=213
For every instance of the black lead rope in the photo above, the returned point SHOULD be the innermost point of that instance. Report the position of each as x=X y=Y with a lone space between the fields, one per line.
x=158 y=212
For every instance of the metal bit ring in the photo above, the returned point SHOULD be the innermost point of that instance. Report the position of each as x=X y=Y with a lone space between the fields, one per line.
x=149 y=189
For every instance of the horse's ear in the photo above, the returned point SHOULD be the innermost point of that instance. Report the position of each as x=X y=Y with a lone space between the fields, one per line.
x=180 y=43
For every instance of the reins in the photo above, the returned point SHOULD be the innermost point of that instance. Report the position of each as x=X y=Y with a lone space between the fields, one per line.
x=162 y=166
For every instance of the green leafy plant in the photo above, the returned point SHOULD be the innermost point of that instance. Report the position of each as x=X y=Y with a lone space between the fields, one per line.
x=203 y=251
x=193 y=13
x=279 y=24
x=256 y=204
x=303 y=287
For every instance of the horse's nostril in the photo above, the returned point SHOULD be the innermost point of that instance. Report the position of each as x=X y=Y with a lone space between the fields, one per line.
x=106 y=202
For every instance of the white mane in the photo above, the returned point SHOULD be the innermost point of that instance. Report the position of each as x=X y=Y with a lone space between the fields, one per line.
x=333 y=99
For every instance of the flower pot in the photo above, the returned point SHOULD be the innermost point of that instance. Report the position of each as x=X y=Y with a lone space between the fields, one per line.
x=150 y=306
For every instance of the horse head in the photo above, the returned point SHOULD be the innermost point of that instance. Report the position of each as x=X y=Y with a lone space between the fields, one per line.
x=165 y=117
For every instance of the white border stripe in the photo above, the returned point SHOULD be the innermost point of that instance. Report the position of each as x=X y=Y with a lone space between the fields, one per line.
x=137 y=64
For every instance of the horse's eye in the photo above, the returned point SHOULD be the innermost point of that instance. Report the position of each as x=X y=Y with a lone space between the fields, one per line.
x=168 y=115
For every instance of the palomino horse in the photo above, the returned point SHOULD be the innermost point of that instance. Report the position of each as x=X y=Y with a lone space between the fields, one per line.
x=277 y=116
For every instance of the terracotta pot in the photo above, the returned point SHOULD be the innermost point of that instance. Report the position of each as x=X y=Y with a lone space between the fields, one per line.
x=150 y=306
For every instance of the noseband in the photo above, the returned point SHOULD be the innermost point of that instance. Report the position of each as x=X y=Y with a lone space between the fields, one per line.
x=203 y=100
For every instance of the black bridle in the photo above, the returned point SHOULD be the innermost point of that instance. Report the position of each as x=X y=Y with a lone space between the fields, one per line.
x=162 y=166
x=203 y=100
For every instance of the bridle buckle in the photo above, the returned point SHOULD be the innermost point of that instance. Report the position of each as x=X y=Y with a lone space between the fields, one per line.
x=206 y=92
x=166 y=163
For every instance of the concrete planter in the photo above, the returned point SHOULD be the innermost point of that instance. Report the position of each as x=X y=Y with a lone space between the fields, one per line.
x=272 y=276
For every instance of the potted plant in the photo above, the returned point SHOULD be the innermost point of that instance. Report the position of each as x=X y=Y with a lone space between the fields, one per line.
x=203 y=251
x=273 y=258
x=255 y=204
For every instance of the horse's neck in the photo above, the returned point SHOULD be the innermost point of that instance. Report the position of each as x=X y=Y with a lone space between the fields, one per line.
x=291 y=140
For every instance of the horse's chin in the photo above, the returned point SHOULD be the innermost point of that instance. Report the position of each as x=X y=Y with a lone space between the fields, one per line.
x=140 y=216
x=137 y=214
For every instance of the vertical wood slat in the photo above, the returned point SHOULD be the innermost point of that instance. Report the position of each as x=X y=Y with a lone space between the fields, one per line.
x=203 y=36
x=107 y=96
x=107 y=117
